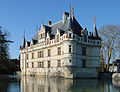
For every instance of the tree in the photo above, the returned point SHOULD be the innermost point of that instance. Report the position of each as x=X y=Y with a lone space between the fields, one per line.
x=110 y=37
x=4 y=55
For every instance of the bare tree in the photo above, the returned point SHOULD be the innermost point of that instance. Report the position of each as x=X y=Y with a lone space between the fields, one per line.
x=4 y=46
x=110 y=37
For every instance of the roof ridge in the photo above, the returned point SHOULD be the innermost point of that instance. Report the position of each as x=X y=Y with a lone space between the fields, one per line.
x=55 y=23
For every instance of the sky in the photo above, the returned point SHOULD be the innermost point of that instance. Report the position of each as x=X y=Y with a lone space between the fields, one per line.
x=19 y=15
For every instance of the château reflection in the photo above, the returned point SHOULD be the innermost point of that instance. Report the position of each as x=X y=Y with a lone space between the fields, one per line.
x=38 y=84
x=116 y=85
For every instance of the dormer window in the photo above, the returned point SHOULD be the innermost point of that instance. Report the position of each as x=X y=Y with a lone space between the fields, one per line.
x=58 y=38
x=41 y=36
x=48 y=40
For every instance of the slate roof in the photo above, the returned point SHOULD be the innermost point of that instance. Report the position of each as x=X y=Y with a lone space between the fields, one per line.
x=70 y=23
x=95 y=33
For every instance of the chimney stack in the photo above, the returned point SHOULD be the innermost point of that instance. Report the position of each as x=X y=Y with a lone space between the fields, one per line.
x=49 y=22
x=65 y=16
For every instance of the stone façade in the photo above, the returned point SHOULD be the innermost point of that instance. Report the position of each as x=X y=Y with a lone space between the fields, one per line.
x=62 y=49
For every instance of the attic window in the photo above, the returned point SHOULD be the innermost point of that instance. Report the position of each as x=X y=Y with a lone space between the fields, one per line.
x=48 y=40
x=41 y=36
x=58 y=38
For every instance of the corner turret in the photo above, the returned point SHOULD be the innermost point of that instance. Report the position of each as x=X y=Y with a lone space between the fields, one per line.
x=95 y=33
x=23 y=42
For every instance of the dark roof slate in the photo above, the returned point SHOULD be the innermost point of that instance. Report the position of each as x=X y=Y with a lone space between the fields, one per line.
x=70 y=23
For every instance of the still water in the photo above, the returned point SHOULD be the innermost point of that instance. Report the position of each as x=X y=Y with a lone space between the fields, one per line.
x=37 y=84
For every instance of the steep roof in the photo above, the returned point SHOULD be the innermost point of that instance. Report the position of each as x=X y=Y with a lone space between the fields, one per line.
x=69 y=23
x=95 y=33
x=24 y=41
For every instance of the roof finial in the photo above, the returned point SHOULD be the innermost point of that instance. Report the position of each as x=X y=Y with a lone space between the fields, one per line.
x=95 y=18
x=72 y=11
x=23 y=43
x=42 y=23
x=24 y=34
x=70 y=7
x=36 y=28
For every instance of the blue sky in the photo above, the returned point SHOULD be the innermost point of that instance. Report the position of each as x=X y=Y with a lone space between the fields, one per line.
x=19 y=15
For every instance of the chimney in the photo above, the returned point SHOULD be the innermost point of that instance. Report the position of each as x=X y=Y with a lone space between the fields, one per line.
x=49 y=22
x=65 y=16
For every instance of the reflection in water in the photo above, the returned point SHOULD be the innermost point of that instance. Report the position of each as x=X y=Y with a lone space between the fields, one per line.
x=116 y=85
x=9 y=83
x=37 y=84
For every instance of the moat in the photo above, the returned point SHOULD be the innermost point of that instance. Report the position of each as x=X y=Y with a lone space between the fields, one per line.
x=36 y=84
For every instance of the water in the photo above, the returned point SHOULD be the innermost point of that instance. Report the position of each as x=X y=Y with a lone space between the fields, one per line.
x=37 y=84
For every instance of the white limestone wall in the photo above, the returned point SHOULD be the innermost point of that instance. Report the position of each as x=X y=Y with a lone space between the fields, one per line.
x=68 y=69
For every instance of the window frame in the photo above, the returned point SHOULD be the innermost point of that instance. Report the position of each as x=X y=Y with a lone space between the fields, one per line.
x=59 y=50
x=70 y=48
x=58 y=63
x=83 y=63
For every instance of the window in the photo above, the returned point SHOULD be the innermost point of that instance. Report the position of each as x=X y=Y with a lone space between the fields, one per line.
x=83 y=51
x=48 y=40
x=32 y=55
x=59 y=50
x=58 y=38
x=32 y=65
x=49 y=52
x=40 y=54
x=27 y=56
x=70 y=60
x=42 y=64
x=39 y=64
x=83 y=63
x=41 y=36
x=70 y=49
x=97 y=42
x=48 y=63
x=70 y=36
x=59 y=63
x=27 y=65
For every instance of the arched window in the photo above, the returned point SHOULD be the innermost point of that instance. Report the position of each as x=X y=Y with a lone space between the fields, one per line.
x=83 y=51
